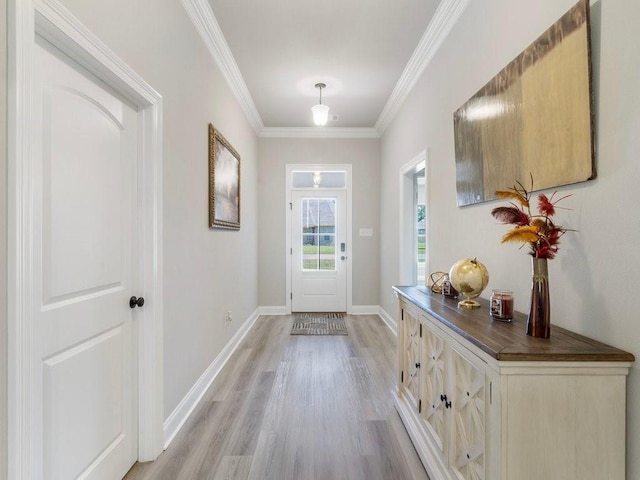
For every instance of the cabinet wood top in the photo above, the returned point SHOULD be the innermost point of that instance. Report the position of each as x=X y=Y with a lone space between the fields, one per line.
x=508 y=341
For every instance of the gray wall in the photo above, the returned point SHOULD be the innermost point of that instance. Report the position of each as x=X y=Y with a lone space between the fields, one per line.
x=593 y=279
x=206 y=272
x=3 y=238
x=275 y=154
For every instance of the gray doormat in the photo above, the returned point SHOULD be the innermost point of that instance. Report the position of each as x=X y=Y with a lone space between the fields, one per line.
x=319 y=324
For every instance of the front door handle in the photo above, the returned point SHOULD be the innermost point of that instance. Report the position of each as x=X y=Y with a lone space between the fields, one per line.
x=136 y=302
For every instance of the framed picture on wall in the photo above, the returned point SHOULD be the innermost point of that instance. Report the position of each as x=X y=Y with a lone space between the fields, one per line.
x=224 y=182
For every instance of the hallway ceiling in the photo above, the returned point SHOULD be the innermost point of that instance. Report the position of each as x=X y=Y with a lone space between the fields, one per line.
x=359 y=48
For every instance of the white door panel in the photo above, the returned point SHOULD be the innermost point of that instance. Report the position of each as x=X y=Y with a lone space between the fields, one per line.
x=83 y=230
x=319 y=286
x=318 y=266
x=71 y=413
x=85 y=161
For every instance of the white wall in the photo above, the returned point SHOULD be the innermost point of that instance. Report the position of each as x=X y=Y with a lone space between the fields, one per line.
x=275 y=154
x=593 y=279
x=206 y=272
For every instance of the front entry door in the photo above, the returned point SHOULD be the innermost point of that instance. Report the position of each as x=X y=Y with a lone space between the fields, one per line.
x=85 y=264
x=319 y=253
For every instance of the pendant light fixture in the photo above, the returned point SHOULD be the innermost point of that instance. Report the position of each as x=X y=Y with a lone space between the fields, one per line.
x=320 y=111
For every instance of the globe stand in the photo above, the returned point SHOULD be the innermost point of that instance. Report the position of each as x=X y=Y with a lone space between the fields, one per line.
x=468 y=303
x=469 y=277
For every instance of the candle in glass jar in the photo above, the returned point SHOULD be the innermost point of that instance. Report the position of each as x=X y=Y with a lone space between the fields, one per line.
x=447 y=289
x=502 y=305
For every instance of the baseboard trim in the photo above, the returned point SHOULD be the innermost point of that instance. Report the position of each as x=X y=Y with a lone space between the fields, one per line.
x=179 y=416
x=273 y=310
x=388 y=319
x=364 y=310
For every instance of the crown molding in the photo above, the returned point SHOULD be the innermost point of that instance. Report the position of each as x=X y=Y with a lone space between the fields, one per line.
x=318 y=132
x=445 y=17
x=205 y=23
x=207 y=26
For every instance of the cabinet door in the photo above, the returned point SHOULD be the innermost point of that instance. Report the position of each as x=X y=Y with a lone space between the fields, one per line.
x=433 y=387
x=466 y=454
x=411 y=354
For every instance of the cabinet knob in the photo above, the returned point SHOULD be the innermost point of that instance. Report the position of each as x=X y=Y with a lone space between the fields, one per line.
x=417 y=365
x=443 y=398
x=447 y=404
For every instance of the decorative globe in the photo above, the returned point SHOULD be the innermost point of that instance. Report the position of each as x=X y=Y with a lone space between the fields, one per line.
x=469 y=277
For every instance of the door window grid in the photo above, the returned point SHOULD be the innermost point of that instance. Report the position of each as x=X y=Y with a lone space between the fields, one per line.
x=318 y=234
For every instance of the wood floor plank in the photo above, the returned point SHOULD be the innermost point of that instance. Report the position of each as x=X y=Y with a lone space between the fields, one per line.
x=294 y=407
x=244 y=436
x=234 y=468
x=226 y=379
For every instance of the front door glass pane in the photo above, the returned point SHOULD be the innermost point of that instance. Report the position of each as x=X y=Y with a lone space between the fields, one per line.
x=318 y=234
x=319 y=179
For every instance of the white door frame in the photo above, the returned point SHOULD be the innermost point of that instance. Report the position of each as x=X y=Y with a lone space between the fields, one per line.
x=290 y=168
x=52 y=21
x=407 y=227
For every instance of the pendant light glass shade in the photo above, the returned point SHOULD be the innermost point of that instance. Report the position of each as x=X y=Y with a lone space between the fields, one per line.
x=320 y=111
x=320 y=114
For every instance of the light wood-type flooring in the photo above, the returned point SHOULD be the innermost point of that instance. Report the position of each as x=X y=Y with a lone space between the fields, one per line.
x=295 y=408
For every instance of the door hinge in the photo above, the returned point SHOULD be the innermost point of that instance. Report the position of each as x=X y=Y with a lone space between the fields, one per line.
x=291 y=251
x=420 y=330
x=490 y=393
x=419 y=406
x=291 y=295
x=290 y=206
x=402 y=315
x=402 y=376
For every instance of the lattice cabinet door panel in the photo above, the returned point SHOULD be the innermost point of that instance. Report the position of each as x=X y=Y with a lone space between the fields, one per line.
x=466 y=455
x=433 y=386
x=411 y=368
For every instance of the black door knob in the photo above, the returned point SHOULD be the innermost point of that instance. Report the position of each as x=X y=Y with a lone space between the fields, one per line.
x=136 y=302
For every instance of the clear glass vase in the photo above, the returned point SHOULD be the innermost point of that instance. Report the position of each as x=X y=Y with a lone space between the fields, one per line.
x=539 y=320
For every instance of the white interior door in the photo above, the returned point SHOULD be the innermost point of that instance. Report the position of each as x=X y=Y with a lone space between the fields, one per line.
x=85 y=270
x=318 y=251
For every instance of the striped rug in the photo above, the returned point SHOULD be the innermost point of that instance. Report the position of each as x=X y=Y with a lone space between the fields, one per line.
x=319 y=324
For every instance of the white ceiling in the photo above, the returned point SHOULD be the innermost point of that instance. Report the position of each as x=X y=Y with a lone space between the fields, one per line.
x=369 y=53
x=359 y=48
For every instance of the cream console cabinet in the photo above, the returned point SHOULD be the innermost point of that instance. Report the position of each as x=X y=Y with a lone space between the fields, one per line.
x=482 y=400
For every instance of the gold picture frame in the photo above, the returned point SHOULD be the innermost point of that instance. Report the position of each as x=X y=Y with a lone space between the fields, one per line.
x=224 y=182
x=534 y=119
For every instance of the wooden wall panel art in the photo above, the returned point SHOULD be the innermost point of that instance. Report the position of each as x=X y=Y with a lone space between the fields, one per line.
x=533 y=119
